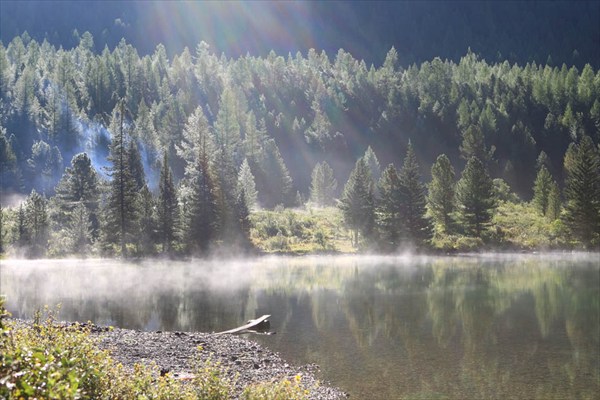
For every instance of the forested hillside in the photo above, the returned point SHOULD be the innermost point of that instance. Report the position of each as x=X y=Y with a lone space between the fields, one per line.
x=193 y=130
x=554 y=32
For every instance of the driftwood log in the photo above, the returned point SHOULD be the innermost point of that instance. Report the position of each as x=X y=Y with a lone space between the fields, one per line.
x=253 y=325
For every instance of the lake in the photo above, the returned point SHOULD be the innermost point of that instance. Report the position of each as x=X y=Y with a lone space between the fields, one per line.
x=490 y=326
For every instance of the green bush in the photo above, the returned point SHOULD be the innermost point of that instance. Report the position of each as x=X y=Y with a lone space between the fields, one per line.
x=282 y=390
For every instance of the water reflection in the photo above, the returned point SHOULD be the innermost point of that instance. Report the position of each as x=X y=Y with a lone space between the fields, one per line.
x=383 y=327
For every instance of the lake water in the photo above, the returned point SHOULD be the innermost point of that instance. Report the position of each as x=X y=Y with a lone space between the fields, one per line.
x=379 y=327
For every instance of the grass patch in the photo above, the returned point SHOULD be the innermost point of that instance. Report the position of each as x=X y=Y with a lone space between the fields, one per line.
x=300 y=231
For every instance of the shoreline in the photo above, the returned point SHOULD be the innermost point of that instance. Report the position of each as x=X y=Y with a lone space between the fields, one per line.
x=241 y=359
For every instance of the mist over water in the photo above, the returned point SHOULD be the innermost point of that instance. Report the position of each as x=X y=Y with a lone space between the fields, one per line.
x=485 y=326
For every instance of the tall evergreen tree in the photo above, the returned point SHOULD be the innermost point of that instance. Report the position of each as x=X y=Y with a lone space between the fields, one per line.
x=136 y=167
x=36 y=220
x=554 y=202
x=475 y=197
x=202 y=209
x=582 y=192
x=78 y=185
x=167 y=210
x=146 y=237
x=21 y=232
x=373 y=164
x=122 y=208
x=357 y=202
x=197 y=139
x=416 y=227
x=323 y=185
x=541 y=190
x=80 y=230
x=441 y=198
x=247 y=185
x=389 y=208
x=273 y=179
x=473 y=144
x=243 y=215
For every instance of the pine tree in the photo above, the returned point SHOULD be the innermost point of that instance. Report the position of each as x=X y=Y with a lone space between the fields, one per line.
x=357 y=202
x=197 y=139
x=247 y=185
x=441 y=198
x=80 y=230
x=78 y=185
x=389 y=207
x=146 y=237
x=243 y=214
x=541 y=190
x=473 y=144
x=323 y=185
x=543 y=161
x=582 y=192
x=21 y=231
x=136 y=168
x=554 y=202
x=227 y=126
x=122 y=208
x=167 y=210
x=416 y=228
x=475 y=197
x=372 y=164
x=202 y=209
x=273 y=179
x=36 y=220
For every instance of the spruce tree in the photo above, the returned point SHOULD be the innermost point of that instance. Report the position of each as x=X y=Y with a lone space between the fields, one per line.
x=21 y=231
x=554 y=202
x=243 y=214
x=473 y=144
x=475 y=198
x=416 y=227
x=202 y=209
x=323 y=185
x=147 y=222
x=273 y=179
x=372 y=163
x=80 y=230
x=167 y=209
x=582 y=192
x=357 y=202
x=247 y=185
x=122 y=211
x=78 y=185
x=441 y=198
x=389 y=207
x=36 y=220
x=197 y=138
x=136 y=167
x=541 y=190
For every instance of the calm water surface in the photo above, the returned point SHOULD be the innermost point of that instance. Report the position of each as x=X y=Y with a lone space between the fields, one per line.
x=379 y=327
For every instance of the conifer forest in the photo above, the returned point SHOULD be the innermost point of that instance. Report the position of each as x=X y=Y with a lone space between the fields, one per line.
x=114 y=152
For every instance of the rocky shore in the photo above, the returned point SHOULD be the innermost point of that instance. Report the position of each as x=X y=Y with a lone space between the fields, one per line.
x=244 y=361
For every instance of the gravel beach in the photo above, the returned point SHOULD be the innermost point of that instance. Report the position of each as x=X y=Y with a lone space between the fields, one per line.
x=177 y=353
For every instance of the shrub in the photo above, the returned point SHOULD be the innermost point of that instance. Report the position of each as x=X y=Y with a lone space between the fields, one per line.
x=282 y=390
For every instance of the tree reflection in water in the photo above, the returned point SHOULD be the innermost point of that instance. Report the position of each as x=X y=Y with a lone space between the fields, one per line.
x=379 y=327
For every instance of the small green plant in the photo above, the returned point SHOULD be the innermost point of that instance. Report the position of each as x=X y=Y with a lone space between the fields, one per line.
x=210 y=383
x=282 y=390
